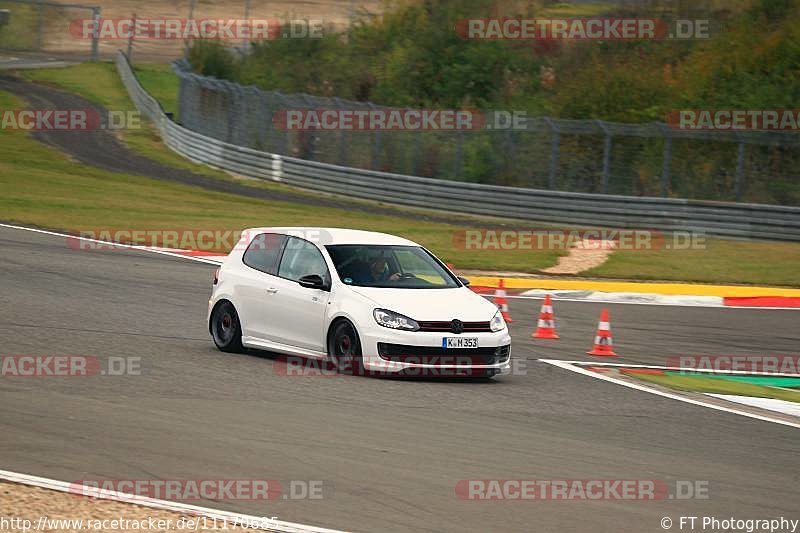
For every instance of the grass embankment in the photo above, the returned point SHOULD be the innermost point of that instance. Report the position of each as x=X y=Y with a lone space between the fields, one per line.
x=23 y=26
x=717 y=261
x=715 y=385
x=43 y=187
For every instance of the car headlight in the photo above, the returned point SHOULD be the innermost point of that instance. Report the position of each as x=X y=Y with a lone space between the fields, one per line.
x=390 y=319
x=497 y=323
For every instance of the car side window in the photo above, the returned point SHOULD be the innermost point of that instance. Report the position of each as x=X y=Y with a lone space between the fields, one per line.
x=264 y=251
x=301 y=258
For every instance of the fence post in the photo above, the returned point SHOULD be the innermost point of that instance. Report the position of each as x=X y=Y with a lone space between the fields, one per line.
x=278 y=141
x=40 y=25
x=95 y=33
x=342 y=137
x=246 y=40
x=309 y=136
x=665 y=163
x=554 y=147
x=190 y=19
x=739 y=181
x=415 y=164
x=511 y=153
x=130 y=40
x=376 y=145
x=606 y=154
x=264 y=119
x=459 y=153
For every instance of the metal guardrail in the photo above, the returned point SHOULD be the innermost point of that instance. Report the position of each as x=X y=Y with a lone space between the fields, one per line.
x=502 y=147
x=754 y=221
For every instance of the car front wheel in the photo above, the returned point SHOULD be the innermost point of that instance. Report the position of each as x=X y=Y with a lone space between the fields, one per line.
x=344 y=349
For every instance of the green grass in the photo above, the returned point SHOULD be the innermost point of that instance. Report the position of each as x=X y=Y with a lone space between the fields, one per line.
x=695 y=383
x=21 y=31
x=719 y=261
x=161 y=83
x=100 y=84
x=41 y=186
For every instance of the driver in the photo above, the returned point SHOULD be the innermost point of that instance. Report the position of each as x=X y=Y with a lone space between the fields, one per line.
x=379 y=272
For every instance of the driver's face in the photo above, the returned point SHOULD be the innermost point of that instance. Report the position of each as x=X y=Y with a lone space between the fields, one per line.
x=378 y=266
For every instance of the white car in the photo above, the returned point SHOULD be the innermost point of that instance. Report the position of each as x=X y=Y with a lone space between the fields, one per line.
x=364 y=301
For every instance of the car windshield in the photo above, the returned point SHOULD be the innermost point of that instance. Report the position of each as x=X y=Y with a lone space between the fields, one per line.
x=402 y=267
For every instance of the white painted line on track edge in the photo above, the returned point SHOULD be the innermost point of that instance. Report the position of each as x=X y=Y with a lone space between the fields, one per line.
x=103 y=494
x=567 y=365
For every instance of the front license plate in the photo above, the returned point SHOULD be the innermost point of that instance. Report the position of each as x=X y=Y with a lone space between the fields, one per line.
x=459 y=342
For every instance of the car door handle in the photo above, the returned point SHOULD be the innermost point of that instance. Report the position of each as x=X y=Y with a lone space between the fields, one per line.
x=272 y=290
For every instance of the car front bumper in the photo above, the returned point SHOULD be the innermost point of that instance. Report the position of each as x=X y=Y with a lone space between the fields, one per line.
x=416 y=353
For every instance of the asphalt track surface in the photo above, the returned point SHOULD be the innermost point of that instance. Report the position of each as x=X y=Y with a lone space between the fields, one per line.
x=389 y=452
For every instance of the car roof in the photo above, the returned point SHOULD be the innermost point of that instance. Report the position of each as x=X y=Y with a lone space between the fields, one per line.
x=326 y=236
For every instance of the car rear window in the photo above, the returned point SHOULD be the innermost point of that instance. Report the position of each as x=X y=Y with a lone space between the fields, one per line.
x=264 y=251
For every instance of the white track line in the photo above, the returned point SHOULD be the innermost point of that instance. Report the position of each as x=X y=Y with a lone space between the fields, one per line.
x=117 y=244
x=218 y=261
x=683 y=369
x=71 y=488
x=568 y=365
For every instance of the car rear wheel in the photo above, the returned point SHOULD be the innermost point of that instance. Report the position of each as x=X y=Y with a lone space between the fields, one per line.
x=226 y=328
x=344 y=349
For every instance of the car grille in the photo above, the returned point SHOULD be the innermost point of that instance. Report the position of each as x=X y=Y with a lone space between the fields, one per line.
x=435 y=355
x=445 y=326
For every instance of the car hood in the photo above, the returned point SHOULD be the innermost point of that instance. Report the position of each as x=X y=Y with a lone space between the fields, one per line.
x=431 y=304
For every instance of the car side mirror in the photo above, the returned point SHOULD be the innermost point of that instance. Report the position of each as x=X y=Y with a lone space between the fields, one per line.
x=312 y=281
x=465 y=281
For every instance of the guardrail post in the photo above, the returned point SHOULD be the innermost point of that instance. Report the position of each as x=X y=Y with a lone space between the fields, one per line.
x=554 y=147
x=667 y=158
x=606 y=154
x=739 y=180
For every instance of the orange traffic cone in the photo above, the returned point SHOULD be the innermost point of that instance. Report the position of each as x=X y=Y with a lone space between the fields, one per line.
x=501 y=302
x=602 y=342
x=546 y=329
